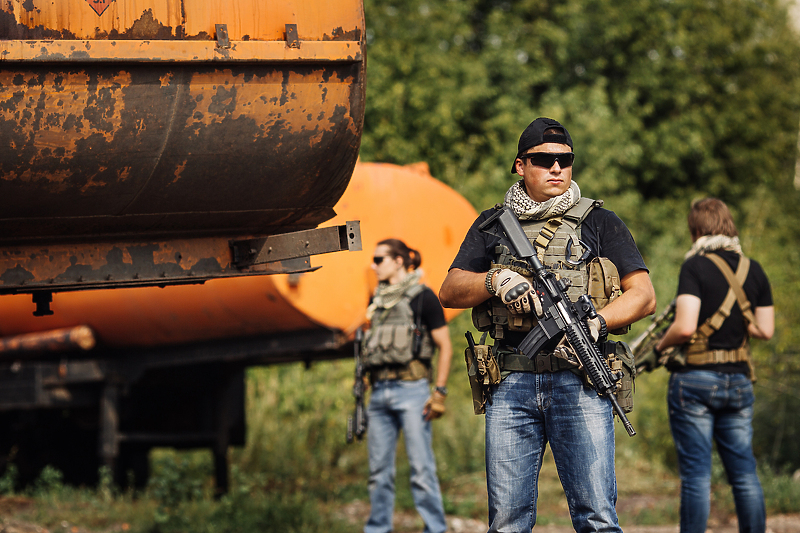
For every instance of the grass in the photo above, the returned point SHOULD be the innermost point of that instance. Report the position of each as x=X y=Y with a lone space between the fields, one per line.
x=296 y=473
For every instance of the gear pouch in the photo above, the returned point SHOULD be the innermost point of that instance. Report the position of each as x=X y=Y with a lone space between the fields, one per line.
x=604 y=286
x=483 y=372
x=621 y=359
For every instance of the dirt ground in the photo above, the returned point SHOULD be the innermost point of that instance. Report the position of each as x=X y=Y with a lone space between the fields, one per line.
x=357 y=513
x=408 y=522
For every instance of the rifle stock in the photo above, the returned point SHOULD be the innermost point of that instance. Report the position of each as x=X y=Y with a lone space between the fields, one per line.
x=561 y=316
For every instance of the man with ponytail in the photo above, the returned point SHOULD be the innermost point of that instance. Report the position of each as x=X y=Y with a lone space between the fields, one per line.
x=406 y=327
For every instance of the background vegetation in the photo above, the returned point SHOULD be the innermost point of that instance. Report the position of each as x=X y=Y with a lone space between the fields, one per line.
x=667 y=101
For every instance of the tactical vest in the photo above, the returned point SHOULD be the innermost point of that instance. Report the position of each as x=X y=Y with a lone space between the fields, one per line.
x=390 y=339
x=559 y=247
x=696 y=351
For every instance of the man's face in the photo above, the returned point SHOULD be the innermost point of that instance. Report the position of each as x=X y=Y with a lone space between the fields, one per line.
x=542 y=183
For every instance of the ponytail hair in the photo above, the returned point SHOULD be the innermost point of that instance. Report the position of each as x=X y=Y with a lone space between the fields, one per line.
x=397 y=248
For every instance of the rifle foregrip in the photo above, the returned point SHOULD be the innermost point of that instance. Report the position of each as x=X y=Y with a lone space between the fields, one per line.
x=603 y=382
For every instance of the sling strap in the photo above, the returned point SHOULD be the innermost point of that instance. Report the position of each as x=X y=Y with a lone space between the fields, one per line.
x=735 y=294
x=697 y=351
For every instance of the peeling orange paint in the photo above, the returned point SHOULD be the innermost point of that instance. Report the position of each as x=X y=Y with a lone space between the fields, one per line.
x=177 y=19
x=136 y=127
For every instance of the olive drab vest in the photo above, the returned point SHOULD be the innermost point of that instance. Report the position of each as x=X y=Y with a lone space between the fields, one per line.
x=559 y=247
x=390 y=339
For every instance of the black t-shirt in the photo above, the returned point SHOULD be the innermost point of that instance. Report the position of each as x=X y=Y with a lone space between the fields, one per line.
x=700 y=277
x=431 y=309
x=602 y=231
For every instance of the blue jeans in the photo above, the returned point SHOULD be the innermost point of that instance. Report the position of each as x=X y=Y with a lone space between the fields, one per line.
x=529 y=410
x=397 y=405
x=707 y=406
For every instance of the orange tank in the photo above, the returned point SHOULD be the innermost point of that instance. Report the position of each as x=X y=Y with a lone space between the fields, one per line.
x=133 y=126
x=389 y=200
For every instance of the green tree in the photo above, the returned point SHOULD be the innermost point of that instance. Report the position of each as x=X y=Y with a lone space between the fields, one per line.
x=666 y=100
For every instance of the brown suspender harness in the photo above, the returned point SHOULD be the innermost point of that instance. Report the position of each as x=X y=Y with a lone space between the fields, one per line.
x=696 y=350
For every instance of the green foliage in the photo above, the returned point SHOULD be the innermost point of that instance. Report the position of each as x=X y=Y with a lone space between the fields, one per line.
x=781 y=491
x=176 y=480
x=8 y=481
x=49 y=482
x=666 y=100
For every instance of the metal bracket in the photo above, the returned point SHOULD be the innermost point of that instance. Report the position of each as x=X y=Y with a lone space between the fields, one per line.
x=299 y=244
x=42 y=300
x=292 y=40
x=222 y=36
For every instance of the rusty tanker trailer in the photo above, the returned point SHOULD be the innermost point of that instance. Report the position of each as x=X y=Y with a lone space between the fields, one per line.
x=171 y=174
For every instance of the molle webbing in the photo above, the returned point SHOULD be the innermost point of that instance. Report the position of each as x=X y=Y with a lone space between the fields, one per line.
x=389 y=340
x=557 y=242
x=719 y=356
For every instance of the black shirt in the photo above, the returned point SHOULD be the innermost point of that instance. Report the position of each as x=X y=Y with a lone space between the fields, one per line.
x=700 y=277
x=431 y=308
x=602 y=231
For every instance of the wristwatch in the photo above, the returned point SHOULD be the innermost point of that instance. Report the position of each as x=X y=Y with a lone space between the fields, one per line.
x=441 y=390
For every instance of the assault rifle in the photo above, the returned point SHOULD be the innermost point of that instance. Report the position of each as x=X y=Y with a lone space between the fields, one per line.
x=561 y=316
x=357 y=423
x=642 y=346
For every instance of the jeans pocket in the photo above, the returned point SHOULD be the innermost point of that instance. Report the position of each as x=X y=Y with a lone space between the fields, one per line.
x=693 y=392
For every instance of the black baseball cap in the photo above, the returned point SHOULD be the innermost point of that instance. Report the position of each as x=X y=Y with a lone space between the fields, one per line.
x=534 y=136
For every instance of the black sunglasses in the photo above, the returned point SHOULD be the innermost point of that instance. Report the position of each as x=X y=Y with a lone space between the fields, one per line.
x=379 y=259
x=546 y=160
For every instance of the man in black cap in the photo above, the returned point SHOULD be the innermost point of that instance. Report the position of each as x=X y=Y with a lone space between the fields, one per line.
x=544 y=397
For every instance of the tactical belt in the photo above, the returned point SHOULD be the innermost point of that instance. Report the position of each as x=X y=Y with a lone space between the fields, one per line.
x=718 y=356
x=413 y=371
x=543 y=362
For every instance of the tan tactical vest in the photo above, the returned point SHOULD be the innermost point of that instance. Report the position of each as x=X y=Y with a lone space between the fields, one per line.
x=390 y=339
x=558 y=246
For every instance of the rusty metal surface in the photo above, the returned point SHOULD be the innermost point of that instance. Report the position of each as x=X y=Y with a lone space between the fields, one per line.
x=17 y=51
x=246 y=20
x=179 y=150
x=91 y=265
x=41 y=342
x=297 y=244
x=127 y=124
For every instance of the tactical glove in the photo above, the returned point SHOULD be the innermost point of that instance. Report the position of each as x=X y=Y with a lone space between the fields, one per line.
x=564 y=351
x=434 y=407
x=647 y=362
x=516 y=292
x=594 y=328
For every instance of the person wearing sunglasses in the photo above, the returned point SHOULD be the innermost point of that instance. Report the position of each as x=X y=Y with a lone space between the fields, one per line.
x=406 y=327
x=543 y=397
